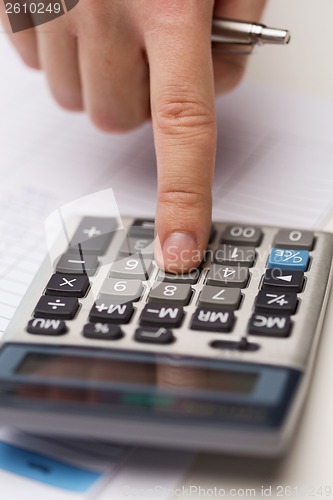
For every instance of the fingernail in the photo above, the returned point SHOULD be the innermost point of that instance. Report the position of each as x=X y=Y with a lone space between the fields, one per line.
x=179 y=250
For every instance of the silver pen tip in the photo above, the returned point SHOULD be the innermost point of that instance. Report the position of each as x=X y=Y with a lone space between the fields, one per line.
x=273 y=35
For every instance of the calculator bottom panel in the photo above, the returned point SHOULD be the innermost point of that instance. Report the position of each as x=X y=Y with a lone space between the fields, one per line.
x=147 y=398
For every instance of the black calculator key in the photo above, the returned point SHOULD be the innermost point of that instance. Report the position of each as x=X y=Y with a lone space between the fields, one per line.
x=242 y=235
x=238 y=345
x=270 y=325
x=142 y=227
x=56 y=307
x=94 y=235
x=45 y=326
x=212 y=320
x=234 y=276
x=74 y=285
x=161 y=315
x=154 y=335
x=102 y=331
x=233 y=255
x=294 y=238
x=76 y=263
x=276 y=301
x=111 y=312
x=282 y=280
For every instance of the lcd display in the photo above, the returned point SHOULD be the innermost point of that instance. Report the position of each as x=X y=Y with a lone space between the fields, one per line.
x=156 y=374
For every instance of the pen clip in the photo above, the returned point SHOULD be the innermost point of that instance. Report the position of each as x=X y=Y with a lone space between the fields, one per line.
x=239 y=49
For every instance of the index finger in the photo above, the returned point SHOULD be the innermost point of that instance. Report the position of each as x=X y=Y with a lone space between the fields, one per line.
x=178 y=45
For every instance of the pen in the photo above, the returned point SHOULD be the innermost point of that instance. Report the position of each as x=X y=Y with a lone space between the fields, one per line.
x=232 y=32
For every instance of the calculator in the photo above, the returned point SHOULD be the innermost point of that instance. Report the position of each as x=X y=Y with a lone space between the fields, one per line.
x=106 y=345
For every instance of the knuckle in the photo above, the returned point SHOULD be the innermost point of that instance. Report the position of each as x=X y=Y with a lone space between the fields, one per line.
x=108 y=122
x=183 y=198
x=180 y=110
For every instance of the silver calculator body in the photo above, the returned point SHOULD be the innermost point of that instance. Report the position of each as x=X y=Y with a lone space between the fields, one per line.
x=219 y=363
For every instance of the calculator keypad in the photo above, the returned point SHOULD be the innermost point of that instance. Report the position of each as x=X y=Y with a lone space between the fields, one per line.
x=252 y=284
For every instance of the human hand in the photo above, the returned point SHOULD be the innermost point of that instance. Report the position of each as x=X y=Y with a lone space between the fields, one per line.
x=126 y=60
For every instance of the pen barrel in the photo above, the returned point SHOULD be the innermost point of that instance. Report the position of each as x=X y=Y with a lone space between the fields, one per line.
x=228 y=31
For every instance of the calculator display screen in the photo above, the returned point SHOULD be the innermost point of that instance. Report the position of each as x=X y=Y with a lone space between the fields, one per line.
x=154 y=374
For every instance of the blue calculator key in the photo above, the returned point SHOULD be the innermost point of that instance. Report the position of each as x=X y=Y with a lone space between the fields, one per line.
x=282 y=258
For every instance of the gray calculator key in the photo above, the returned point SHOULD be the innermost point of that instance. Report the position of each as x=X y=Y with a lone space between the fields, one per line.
x=242 y=235
x=187 y=278
x=220 y=297
x=233 y=255
x=121 y=290
x=94 y=234
x=142 y=227
x=233 y=276
x=287 y=238
x=171 y=293
x=73 y=263
x=134 y=245
x=132 y=267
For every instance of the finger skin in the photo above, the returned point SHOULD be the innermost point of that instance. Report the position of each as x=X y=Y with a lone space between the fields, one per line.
x=58 y=55
x=182 y=102
x=114 y=72
x=24 y=41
